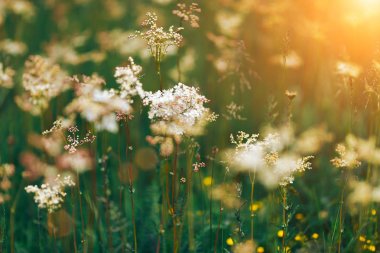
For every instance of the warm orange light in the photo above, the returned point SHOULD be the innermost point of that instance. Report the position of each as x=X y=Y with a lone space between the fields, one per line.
x=368 y=6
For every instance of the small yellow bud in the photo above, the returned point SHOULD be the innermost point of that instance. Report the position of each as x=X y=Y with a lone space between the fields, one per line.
x=299 y=216
x=230 y=241
x=207 y=181
x=260 y=250
x=280 y=233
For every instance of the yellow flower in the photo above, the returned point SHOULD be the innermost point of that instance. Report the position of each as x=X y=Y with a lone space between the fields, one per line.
x=207 y=181
x=299 y=216
x=315 y=236
x=280 y=233
x=255 y=206
x=372 y=248
x=373 y=212
x=260 y=250
x=230 y=241
x=362 y=238
x=298 y=238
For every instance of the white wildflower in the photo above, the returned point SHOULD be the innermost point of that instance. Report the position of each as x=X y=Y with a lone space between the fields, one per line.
x=128 y=79
x=176 y=110
x=48 y=196
x=6 y=76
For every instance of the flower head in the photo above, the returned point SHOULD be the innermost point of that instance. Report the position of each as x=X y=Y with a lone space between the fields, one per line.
x=177 y=110
x=188 y=13
x=128 y=79
x=98 y=105
x=48 y=196
x=42 y=81
x=6 y=76
x=270 y=157
x=157 y=39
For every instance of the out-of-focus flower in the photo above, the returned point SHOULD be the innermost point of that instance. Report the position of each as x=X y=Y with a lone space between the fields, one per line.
x=51 y=145
x=166 y=144
x=207 y=181
x=23 y=8
x=271 y=158
x=146 y=158
x=128 y=79
x=48 y=196
x=176 y=111
x=355 y=150
x=361 y=193
x=289 y=60
x=229 y=22
x=6 y=76
x=162 y=2
x=42 y=81
x=12 y=47
x=186 y=62
x=228 y=194
x=346 y=159
x=97 y=105
x=79 y=161
x=6 y=172
x=157 y=39
x=230 y=241
x=34 y=167
x=348 y=69
x=245 y=247
x=114 y=8
x=188 y=13
x=233 y=112
x=119 y=41
x=311 y=141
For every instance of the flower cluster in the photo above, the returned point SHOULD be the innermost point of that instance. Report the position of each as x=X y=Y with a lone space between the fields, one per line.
x=128 y=79
x=42 y=81
x=177 y=111
x=363 y=193
x=48 y=196
x=12 y=47
x=355 y=150
x=74 y=141
x=233 y=111
x=23 y=8
x=96 y=105
x=272 y=160
x=6 y=171
x=6 y=77
x=157 y=39
x=348 y=69
x=57 y=125
x=188 y=13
